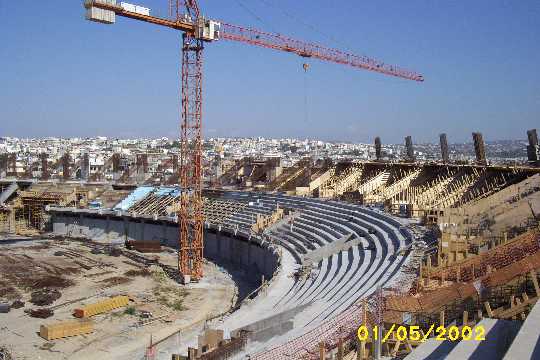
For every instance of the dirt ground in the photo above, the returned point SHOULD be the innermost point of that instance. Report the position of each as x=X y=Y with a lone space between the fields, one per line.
x=63 y=275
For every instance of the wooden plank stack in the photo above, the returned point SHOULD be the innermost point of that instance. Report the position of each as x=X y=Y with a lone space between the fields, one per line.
x=65 y=329
x=101 y=307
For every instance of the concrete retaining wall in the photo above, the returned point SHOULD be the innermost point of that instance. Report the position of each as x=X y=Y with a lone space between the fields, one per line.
x=222 y=247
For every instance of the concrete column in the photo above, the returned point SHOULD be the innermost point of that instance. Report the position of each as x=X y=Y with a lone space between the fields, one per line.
x=322 y=351
x=533 y=150
x=107 y=228
x=444 y=148
x=409 y=148
x=378 y=148
x=479 y=148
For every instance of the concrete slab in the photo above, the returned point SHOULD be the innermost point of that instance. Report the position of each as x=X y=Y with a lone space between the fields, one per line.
x=499 y=336
x=432 y=349
x=526 y=344
x=342 y=244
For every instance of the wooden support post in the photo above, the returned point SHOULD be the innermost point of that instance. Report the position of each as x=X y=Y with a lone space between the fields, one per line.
x=428 y=267
x=458 y=274
x=488 y=309
x=408 y=346
x=523 y=316
x=361 y=351
x=377 y=344
x=340 y=350
x=322 y=351
x=535 y=283
x=465 y=318
x=441 y=318
x=396 y=348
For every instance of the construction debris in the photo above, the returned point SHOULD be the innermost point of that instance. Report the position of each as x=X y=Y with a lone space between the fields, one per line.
x=17 y=304
x=5 y=353
x=212 y=346
x=41 y=313
x=141 y=272
x=44 y=296
x=144 y=246
x=115 y=280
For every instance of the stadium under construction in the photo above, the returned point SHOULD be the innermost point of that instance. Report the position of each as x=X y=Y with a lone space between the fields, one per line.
x=311 y=252
x=186 y=254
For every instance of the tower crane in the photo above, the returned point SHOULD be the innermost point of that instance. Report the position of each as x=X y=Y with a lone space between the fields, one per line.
x=197 y=31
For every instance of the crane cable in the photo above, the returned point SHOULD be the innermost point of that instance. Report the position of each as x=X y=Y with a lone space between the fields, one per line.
x=308 y=25
x=254 y=15
x=304 y=65
x=306 y=104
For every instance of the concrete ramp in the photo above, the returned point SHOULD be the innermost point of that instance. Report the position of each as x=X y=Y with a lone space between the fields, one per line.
x=499 y=336
x=342 y=244
x=526 y=345
x=271 y=326
x=13 y=187
x=432 y=349
x=498 y=333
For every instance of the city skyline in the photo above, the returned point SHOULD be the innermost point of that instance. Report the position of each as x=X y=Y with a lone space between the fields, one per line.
x=130 y=87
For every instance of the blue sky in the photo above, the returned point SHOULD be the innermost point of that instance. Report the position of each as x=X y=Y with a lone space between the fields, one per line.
x=64 y=76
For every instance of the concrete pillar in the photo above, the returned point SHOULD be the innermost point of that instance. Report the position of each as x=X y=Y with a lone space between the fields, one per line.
x=116 y=166
x=479 y=148
x=12 y=164
x=141 y=162
x=377 y=351
x=409 y=150
x=444 y=148
x=107 y=228
x=85 y=167
x=44 y=166
x=533 y=149
x=3 y=165
x=66 y=167
x=175 y=163
x=378 y=148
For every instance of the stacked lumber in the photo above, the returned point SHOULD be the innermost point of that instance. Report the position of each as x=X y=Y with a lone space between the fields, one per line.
x=65 y=329
x=144 y=246
x=101 y=307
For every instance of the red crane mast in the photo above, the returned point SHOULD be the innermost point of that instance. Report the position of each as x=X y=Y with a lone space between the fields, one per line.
x=197 y=31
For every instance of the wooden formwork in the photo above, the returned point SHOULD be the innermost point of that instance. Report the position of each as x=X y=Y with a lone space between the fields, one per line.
x=219 y=211
x=7 y=220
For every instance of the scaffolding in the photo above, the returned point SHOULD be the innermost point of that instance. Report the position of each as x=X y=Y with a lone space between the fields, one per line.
x=29 y=208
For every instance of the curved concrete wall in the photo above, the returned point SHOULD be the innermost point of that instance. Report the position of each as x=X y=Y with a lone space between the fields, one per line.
x=223 y=247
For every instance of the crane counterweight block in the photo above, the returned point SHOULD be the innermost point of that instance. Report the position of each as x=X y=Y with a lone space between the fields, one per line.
x=101 y=15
